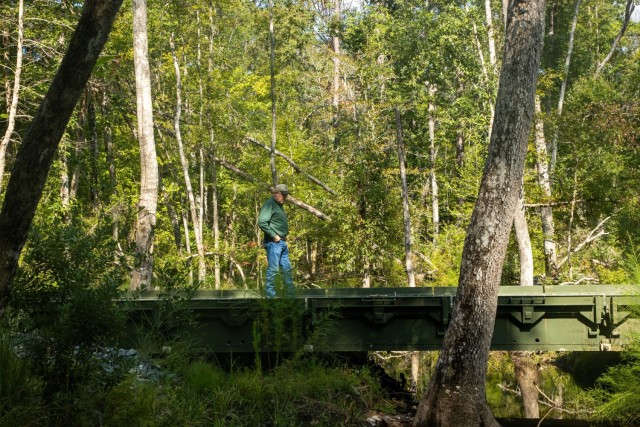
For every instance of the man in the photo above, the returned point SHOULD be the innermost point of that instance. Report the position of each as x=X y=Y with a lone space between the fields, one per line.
x=273 y=221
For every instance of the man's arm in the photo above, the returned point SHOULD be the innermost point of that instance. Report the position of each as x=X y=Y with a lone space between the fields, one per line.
x=264 y=219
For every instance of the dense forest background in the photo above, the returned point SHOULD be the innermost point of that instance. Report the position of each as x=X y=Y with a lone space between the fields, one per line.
x=355 y=88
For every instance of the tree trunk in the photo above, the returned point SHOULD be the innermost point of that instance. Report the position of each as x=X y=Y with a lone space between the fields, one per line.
x=148 y=204
x=91 y=129
x=335 y=43
x=272 y=73
x=65 y=185
x=433 y=153
x=408 y=252
x=526 y=370
x=527 y=376
x=216 y=220
x=193 y=209
x=214 y=167
x=546 y=213
x=490 y=37
x=13 y=106
x=456 y=393
x=628 y=11
x=408 y=255
x=563 y=87
x=40 y=143
x=113 y=182
x=187 y=243
x=521 y=231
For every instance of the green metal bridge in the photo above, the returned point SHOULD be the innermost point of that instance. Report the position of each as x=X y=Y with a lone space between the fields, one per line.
x=546 y=318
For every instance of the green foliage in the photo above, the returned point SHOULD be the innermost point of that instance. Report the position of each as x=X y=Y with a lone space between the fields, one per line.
x=616 y=393
x=500 y=372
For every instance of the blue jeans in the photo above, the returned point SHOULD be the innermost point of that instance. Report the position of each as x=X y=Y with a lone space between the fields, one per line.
x=278 y=259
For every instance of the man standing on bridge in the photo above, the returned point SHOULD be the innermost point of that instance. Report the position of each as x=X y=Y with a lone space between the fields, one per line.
x=273 y=221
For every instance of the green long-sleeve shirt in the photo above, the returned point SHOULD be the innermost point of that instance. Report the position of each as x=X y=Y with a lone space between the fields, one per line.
x=273 y=219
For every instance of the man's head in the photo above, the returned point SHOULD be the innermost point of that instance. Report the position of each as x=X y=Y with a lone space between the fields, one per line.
x=280 y=193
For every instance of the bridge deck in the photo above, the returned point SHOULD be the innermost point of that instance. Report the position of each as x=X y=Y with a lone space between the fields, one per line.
x=572 y=318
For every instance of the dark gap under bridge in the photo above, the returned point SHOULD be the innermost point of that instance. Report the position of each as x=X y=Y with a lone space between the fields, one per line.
x=544 y=318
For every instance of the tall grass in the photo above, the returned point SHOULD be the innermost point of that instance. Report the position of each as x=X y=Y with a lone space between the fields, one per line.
x=19 y=390
x=297 y=392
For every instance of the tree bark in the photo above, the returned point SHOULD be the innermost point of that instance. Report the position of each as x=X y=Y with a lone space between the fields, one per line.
x=335 y=95
x=456 y=393
x=272 y=74
x=521 y=231
x=40 y=143
x=408 y=255
x=147 y=206
x=527 y=377
x=492 y=43
x=526 y=370
x=13 y=106
x=433 y=153
x=546 y=212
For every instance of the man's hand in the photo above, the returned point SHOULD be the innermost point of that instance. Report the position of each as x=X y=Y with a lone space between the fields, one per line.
x=277 y=238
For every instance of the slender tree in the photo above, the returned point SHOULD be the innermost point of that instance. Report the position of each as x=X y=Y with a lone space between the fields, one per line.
x=148 y=203
x=456 y=392
x=628 y=11
x=433 y=153
x=193 y=208
x=13 y=106
x=544 y=181
x=272 y=74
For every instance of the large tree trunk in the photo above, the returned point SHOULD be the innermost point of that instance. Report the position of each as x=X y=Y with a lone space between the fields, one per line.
x=13 y=106
x=456 y=393
x=40 y=143
x=148 y=204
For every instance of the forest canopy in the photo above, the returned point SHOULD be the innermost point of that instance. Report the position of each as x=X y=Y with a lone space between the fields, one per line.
x=340 y=73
